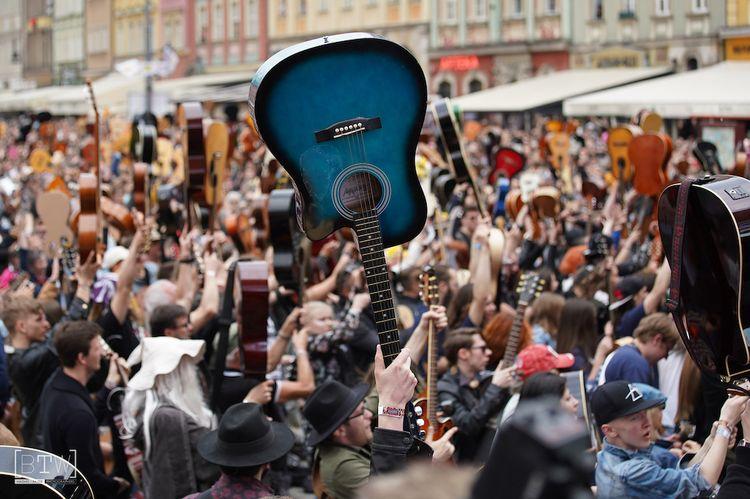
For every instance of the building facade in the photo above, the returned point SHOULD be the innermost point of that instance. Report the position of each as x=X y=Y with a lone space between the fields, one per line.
x=678 y=33
x=735 y=34
x=231 y=35
x=68 y=42
x=37 y=60
x=12 y=36
x=176 y=20
x=475 y=44
x=99 y=31
x=129 y=20
x=403 y=21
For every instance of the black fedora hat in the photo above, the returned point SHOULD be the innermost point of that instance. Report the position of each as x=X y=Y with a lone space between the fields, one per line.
x=245 y=438
x=329 y=406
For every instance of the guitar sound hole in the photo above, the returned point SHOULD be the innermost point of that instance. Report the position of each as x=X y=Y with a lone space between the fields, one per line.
x=360 y=191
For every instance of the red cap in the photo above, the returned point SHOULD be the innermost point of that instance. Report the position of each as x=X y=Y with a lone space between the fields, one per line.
x=542 y=358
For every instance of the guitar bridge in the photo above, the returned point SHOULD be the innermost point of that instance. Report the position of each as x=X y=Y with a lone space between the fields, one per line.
x=347 y=127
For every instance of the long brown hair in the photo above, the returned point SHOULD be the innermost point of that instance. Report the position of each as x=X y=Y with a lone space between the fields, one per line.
x=689 y=392
x=578 y=327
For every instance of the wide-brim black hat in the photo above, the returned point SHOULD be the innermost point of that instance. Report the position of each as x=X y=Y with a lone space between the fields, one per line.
x=245 y=438
x=329 y=406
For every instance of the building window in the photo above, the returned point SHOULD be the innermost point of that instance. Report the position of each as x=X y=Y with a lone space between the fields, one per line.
x=444 y=89
x=346 y=4
x=234 y=20
x=517 y=7
x=598 y=10
x=372 y=3
x=629 y=6
x=217 y=23
x=450 y=10
x=551 y=6
x=662 y=7
x=282 y=8
x=251 y=18
x=323 y=6
x=475 y=86
x=302 y=7
x=480 y=9
x=202 y=22
x=700 y=5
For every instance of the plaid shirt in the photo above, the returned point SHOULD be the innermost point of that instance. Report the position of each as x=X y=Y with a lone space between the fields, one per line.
x=330 y=356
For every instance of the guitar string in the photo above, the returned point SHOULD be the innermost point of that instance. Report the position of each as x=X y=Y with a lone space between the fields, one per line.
x=390 y=347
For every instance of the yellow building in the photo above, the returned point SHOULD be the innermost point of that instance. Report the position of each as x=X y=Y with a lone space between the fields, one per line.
x=403 y=21
x=736 y=33
x=129 y=23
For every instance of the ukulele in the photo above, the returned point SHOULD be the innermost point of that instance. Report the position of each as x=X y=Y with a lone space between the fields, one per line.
x=350 y=151
x=427 y=403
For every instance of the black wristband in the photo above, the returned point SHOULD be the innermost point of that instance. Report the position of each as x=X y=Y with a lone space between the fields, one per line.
x=187 y=260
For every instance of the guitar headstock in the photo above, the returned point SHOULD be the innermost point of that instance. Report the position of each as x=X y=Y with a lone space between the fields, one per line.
x=428 y=287
x=529 y=286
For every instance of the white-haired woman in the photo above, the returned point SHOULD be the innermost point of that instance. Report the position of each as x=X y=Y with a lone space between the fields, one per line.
x=164 y=407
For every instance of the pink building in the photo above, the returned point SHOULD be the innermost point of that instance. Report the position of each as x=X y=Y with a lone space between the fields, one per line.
x=230 y=35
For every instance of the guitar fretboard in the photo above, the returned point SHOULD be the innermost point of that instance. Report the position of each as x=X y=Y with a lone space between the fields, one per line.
x=367 y=229
x=514 y=338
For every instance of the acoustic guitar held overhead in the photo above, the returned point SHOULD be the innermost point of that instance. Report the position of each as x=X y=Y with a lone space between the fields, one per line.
x=343 y=114
x=707 y=243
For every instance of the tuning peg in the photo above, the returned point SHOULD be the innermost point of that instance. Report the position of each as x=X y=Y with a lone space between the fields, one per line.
x=422 y=435
x=420 y=422
x=417 y=410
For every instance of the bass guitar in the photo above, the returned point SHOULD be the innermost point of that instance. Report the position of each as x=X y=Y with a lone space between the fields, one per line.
x=711 y=304
x=359 y=101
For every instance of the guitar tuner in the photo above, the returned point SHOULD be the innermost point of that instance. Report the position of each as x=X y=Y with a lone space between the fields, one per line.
x=418 y=410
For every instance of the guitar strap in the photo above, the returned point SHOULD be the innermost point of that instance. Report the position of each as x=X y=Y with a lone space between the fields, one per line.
x=673 y=302
x=225 y=321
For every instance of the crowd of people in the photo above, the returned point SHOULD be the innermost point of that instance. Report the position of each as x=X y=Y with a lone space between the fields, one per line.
x=122 y=357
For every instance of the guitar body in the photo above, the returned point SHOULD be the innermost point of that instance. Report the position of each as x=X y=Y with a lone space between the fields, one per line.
x=714 y=297
x=286 y=238
x=217 y=150
x=648 y=154
x=508 y=162
x=559 y=147
x=301 y=95
x=88 y=218
x=442 y=111
x=143 y=143
x=618 y=140
x=140 y=191
x=33 y=473
x=252 y=316
x=191 y=119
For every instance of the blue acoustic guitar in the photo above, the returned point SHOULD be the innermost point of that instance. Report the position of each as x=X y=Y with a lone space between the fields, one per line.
x=343 y=115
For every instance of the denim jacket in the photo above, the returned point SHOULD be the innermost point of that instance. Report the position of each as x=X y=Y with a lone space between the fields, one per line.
x=643 y=473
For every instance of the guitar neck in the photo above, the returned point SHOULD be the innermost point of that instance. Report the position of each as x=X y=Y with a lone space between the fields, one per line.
x=514 y=338
x=432 y=393
x=367 y=229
